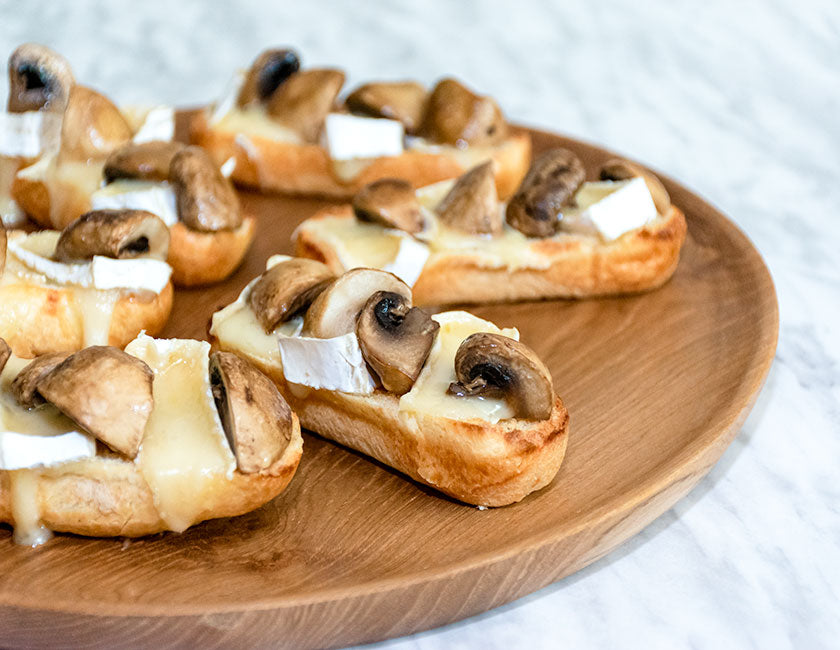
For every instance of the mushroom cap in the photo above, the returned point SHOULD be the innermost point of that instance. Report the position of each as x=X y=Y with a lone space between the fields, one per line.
x=286 y=289
x=205 y=198
x=256 y=419
x=390 y=202
x=38 y=79
x=335 y=310
x=619 y=169
x=106 y=391
x=472 y=204
x=404 y=101
x=456 y=115
x=395 y=339
x=92 y=126
x=497 y=366
x=5 y=353
x=304 y=99
x=119 y=234
x=25 y=384
x=147 y=161
x=268 y=71
x=550 y=183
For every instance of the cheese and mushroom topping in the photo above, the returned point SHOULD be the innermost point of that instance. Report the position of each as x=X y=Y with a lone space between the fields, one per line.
x=553 y=203
x=170 y=180
x=187 y=419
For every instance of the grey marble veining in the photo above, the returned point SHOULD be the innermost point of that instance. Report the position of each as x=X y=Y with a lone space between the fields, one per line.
x=740 y=101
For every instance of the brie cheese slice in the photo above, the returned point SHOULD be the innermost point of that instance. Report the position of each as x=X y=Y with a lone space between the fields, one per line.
x=129 y=194
x=410 y=259
x=26 y=450
x=349 y=137
x=610 y=208
x=158 y=124
x=34 y=251
x=331 y=364
x=29 y=134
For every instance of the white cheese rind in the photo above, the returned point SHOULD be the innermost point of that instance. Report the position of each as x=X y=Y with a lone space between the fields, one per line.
x=410 y=260
x=157 y=198
x=349 y=137
x=26 y=450
x=618 y=207
x=159 y=124
x=29 y=134
x=332 y=364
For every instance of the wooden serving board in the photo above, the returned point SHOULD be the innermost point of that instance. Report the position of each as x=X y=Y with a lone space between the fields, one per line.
x=657 y=386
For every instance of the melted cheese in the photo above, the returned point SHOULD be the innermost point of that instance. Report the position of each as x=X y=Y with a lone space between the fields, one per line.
x=10 y=212
x=29 y=531
x=184 y=450
x=97 y=309
x=256 y=122
x=132 y=194
x=430 y=396
x=70 y=186
x=467 y=157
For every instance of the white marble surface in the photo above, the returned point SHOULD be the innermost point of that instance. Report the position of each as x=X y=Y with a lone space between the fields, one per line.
x=740 y=101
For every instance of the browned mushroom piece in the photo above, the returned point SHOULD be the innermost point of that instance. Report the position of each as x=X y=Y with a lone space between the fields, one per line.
x=270 y=69
x=256 y=419
x=493 y=365
x=39 y=79
x=395 y=339
x=551 y=182
x=25 y=384
x=404 y=101
x=205 y=198
x=335 y=310
x=5 y=353
x=304 y=99
x=456 y=115
x=92 y=127
x=286 y=289
x=119 y=234
x=147 y=161
x=472 y=205
x=106 y=391
x=390 y=202
x=619 y=169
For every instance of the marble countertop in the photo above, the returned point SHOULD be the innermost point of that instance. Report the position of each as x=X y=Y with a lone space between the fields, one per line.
x=739 y=101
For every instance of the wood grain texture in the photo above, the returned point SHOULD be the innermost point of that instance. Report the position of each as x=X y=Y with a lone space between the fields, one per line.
x=657 y=386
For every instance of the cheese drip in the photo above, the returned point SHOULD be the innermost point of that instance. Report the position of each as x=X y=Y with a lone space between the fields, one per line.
x=184 y=453
x=97 y=309
x=430 y=396
x=29 y=531
x=10 y=212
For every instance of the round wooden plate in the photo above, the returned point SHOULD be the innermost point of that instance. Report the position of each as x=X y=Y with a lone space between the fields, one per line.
x=657 y=386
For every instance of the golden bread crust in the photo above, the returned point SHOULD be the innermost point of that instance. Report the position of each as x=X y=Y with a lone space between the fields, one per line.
x=39 y=320
x=306 y=169
x=580 y=267
x=475 y=462
x=197 y=258
x=111 y=497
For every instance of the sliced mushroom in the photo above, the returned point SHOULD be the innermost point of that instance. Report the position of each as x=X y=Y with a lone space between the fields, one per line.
x=92 y=126
x=286 y=289
x=472 y=205
x=404 y=101
x=390 y=202
x=119 y=234
x=550 y=183
x=5 y=353
x=38 y=79
x=147 y=161
x=270 y=69
x=304 y=99
x=205 y=198
x=619 y=169
x=493 y=365
x=456 y=115
x=106 y=391
x=395 y=339
x=256 y=419
x=335 y=310
x=25 y=384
